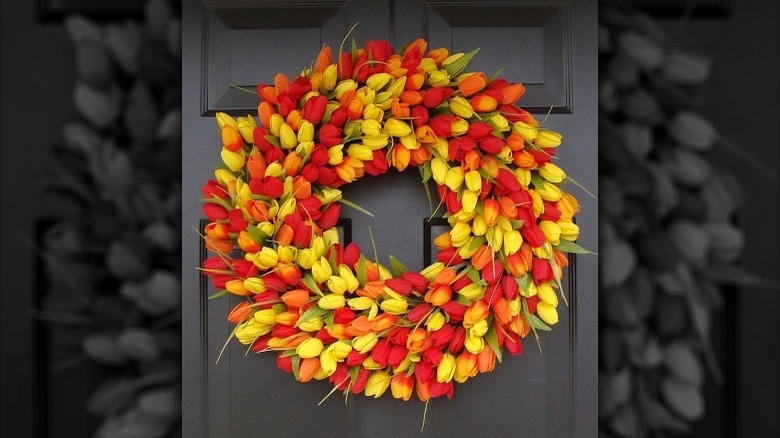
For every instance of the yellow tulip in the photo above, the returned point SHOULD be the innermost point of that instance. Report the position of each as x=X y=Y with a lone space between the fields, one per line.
x=548 y=139
x=246 y=126
x=460 y=233
x=479 y=328
x=394 y=306
x=311 y=325
x=474 y=344
x=446 y=368
x=552 y=173
x=363 y=344
x=378 y=80
x=224 y=119
x=438 y=78
x=341 y=349
x=321 y=270
x=495 y=237
x=254 y=285
x=500 y=122
x=306 y=258
x=337 y=285
x=287 y=137
x=547 y=313
x=479 y=226
x=361 y=152
x=305 y=131
x=432 y=270
x=397 y=128
x=459 y=127
x=373 y=112
x=551 y=231
x=350 y=281
x=331 y=301
x=512 y=242
x=266 y=258
x=344 y=86
x=276 y=124
x=528 y=132
x=569 y=230
x=265 y=316
x=360 y=303
x=328 y=362
x=247 y=332
x=439 y=170
x=311 y=347
x=454 y=178
x=469 y=201
x=233 y=160
x=377 y=383
x=473 y=181
x=549 y=192
x=461 y=107
x=547 y=294
x=435 y=321
x=370 y=127
x=329 y=77
x=472 y=292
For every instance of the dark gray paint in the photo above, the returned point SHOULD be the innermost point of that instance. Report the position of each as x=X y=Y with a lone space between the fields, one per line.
x=549 y=394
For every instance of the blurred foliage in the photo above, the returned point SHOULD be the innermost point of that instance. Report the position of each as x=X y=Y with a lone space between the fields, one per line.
x=112 y=209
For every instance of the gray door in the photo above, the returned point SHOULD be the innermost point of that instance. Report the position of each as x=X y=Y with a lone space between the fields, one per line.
x=548 y=45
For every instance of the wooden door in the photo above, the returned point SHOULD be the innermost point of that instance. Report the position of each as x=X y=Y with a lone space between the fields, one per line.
x=548 y=45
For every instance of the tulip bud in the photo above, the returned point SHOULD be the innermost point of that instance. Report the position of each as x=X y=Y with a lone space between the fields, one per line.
x=460 y=234
x=331 y=301
x=401 y=386
x=438 y=78
x=547 y=312
x=435 y=321
x=321 y=270
x=363 y=344
x=397 y=128
x=548 y=139
x=329 y=77
x=461 y=107
x=394 y=306
x=266 y=258
x=446 y=368
x=473 y=181
x=378 y=80
x=377 y=383
x=311 y=347
x=528 y=132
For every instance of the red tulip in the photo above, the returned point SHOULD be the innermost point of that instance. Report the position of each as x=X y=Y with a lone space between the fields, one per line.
x=315 y=108
x=455 y=310
x=458 y=340
x=284 y=363
x=542 y=271
x=534 y=235
x=214 y=212
x=359 y=384
x=340 y=378
x=443 y=336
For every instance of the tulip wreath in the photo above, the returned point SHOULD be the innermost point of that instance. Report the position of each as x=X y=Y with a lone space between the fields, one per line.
x=326 y=309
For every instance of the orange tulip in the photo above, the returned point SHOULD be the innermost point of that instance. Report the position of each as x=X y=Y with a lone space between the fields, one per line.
x=419 y=156
x=419 y=340
x=372 y=289
x=264 y=111
x=439 y=295
x=561 y=259
x=491 y=210
x=489 y=165
x=524 y=159
x=401 y=386
x=426 y=135
x=465 y=366
x=285 y=235
x=445 y=276
x=324 y=59
x=516 y=265
x=294 y=119
x=472 y=84
x=258 y=210
x=411 y=97
x=292 y=164
x=486 y=360
x=246 y=243
x=419 y=44
x=290 y=274
x=282 y=83
x=482 y=257
x=256 y=166
x=231 y=138
x=511 y=93
x=415 y=81
x=476 y=312
x=399 y=109
x=295 y=299
x=218 y=246
x=471 y=160
x=268 y=94
x=301 y=188
x=438 y=55
x=217 y=230
x=422 y=391
x=508 y=207
x=358 y=327
x=288 y=318
x=501 y=311
x=383 y=322
x=482 y=103
x=308 y=369
x=515 y=142
x=401 y=157
x=240 y=313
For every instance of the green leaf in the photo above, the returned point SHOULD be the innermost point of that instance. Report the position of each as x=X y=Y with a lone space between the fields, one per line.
x=398 y=267
x=309 y=281
x=272 y=139
x=428 y=195
x=256 y=234
x=362 y=275
x=573 y=181
x=537 y=323
x=311 y=313
x=296 y=365
x=496 y=74
x=410 y=371
x=571 y=247
x=474 y=275
x=524 y=282
x=517 y=223
x=462 y=300
x=330 y=320
x=492 y=341
x=459 y=64
x=356 y=207
x=219 y=201
x=426 y=172
x=218 y=294
x=476 y=242
x=287 y=353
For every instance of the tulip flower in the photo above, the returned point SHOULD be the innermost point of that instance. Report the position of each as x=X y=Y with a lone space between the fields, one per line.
x=471 y=84
x=311 y=347
x=401 y=386
x=363 y=344
x=331 y=301
x=465 y=367
x=446 y=368
x=308 y=368
x=377 y=384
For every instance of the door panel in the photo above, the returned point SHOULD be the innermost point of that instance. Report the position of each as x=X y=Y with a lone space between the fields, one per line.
x=552 y=393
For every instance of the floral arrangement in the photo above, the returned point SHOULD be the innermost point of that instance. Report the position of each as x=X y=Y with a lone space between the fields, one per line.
x=327 y=310
x=667 y=236
x=110 y=238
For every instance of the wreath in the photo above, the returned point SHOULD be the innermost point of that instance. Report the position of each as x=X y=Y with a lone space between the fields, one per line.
x=326 y=309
